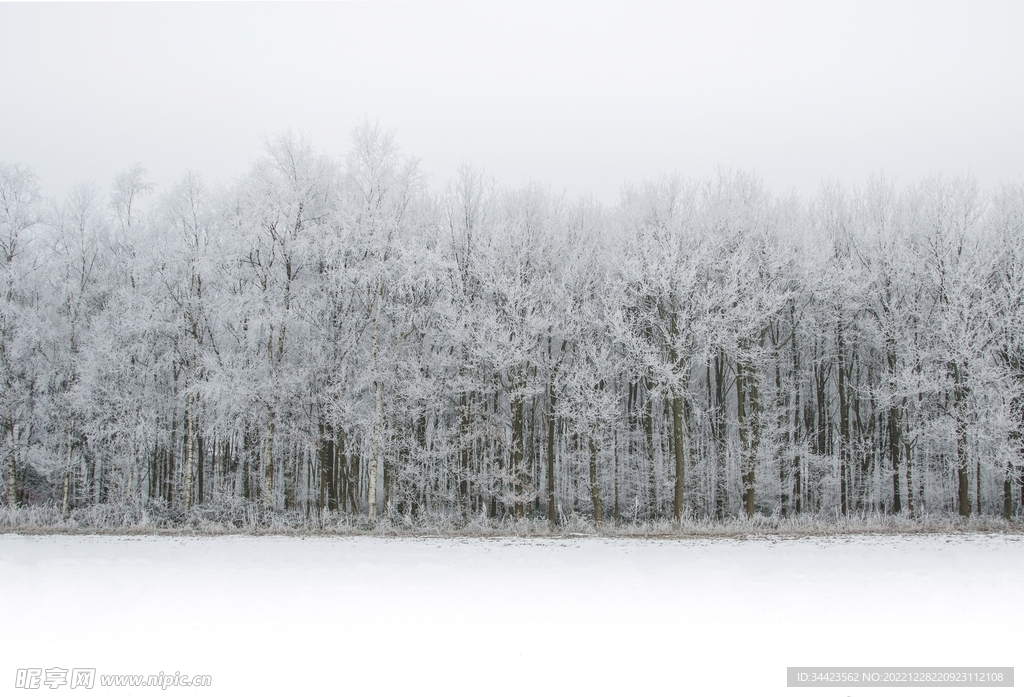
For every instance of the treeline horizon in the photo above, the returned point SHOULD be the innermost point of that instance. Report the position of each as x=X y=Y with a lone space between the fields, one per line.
x=335 y=337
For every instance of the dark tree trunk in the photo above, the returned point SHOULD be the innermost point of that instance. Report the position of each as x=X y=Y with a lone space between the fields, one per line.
x=595 y=490
x=170 y=474
x=797 y=438
x=516 y=454
x=200 y=478
x=12 y=465
x=465 y=451
x=679 y=450
x=959 y=396
x=754 y=418
x=977 y=484
x=354 y=484
x=647 y=407
x=746 y=462
x=844 y=422
x=550 y=455
x=895 y=455
x=1008 y=492
x=326 y=462
x=718 y=432
x=782 y=425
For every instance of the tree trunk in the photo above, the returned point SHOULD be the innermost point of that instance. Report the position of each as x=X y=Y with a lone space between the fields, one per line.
x=679 y=450
x=746 y=463
x=797 y=435
x=782 y=425
x=354 y=473
x=516 y=451
x=977 y=483
x=959 y=397
x=268 y=462
x=341 y=476
x=387 y=466
x=908 y=459
x=615 y=472
x=821 y=399
x=189 y=449
x=250 y=467
x=200 y=472
x=754 y=418
x=465 y=452
x=718 y=433
x=844 y=422
x=550 y=415
x=1008 y=492
x=12 y=466
x=219 y=452
x=66 y=495
x=378 y=421
x=172 y=461
x=595 y=491
x=326 y=458
x=895 y=454
x=647 y=407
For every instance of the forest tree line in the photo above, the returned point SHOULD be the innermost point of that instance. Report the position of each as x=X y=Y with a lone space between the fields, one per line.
x=337 y=337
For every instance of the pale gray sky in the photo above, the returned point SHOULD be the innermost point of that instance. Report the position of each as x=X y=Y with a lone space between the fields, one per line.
x=578 y=95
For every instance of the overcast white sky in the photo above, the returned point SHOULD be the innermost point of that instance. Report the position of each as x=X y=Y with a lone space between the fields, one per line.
x=578 y=95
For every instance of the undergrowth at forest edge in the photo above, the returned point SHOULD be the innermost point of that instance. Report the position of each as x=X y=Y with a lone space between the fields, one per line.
x=244 y=518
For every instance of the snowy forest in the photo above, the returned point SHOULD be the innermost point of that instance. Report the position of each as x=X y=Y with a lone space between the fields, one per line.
x=341 y=339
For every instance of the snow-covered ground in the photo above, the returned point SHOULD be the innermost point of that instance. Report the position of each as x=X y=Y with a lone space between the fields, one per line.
x=372 y=616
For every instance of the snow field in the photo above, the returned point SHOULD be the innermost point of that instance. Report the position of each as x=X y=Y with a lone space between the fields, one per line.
x=288 y=615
